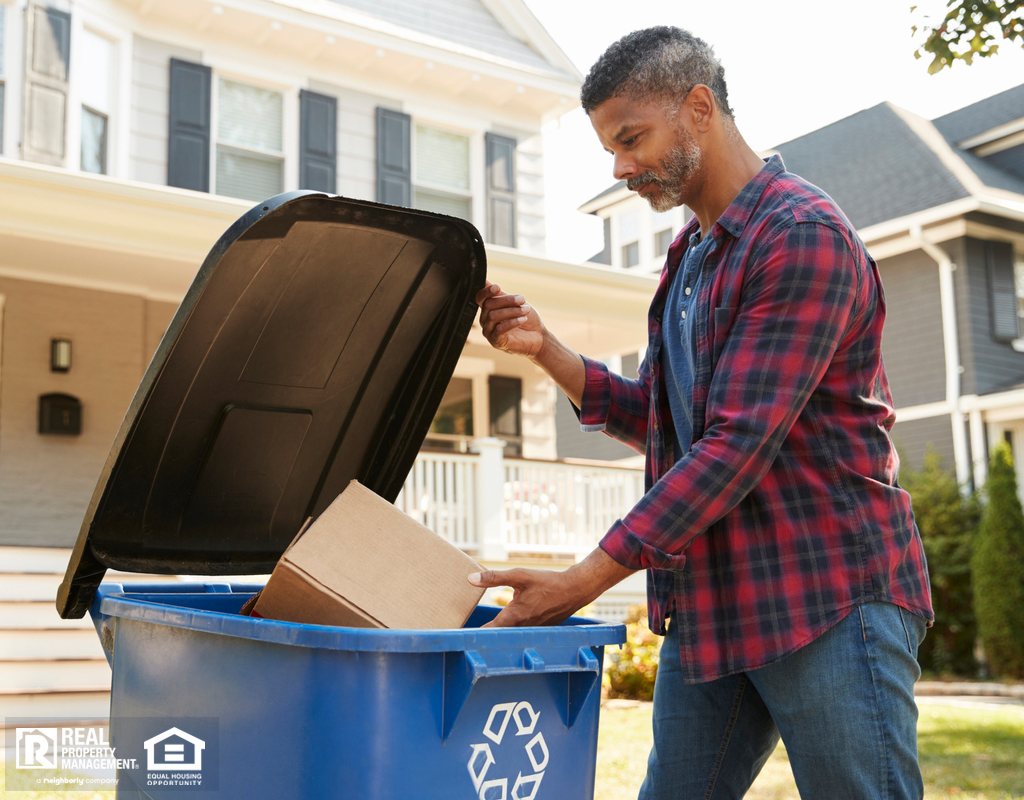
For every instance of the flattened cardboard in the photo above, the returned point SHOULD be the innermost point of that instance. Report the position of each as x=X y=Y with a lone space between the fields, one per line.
x=366 y=564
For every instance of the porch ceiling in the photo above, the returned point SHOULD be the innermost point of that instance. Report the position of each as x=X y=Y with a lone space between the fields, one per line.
x=96 y=232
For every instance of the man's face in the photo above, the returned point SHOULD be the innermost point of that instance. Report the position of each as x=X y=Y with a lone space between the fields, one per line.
x=656 y=156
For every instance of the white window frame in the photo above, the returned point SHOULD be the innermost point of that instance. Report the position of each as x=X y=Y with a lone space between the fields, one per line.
x=289 y=122
x=475 y=193
x=119 y=113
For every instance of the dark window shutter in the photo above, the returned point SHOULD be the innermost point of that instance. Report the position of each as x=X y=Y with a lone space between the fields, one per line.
x=394 y=157
x=505 y=396
x=501 y=190
x=1002 y=291
x=188 y=140
x=318 y=142
x=46 y=85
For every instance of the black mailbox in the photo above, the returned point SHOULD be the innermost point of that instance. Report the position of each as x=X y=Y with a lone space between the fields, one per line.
x=60 y=413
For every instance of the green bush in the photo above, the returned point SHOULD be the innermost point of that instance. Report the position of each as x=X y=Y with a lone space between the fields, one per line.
x=630 y=671
x=997 y=570
x=948 y=521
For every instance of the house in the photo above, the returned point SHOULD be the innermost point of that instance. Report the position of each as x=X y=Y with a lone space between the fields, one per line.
x=174 y=749
x=134 y=132
x=940 y=205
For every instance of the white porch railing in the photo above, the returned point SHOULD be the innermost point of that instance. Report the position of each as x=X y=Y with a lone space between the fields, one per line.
x=496 y=507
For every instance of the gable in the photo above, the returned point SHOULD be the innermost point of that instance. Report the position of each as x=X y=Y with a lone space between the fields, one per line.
x=466 y=23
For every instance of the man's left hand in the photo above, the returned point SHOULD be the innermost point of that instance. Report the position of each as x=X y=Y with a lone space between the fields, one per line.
x=545 y=597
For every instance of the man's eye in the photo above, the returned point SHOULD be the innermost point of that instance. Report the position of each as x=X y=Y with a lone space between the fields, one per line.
x=629 y=142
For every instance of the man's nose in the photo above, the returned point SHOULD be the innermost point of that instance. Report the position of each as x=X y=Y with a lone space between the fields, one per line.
x=624 y=167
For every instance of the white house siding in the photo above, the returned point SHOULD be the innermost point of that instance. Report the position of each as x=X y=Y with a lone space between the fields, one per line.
x=46 y=481
x=530 y=193
x=477 y=28
x=150 y=103
x=357 y=139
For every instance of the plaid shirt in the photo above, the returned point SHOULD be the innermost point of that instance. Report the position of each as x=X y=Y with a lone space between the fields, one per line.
x=791 y=474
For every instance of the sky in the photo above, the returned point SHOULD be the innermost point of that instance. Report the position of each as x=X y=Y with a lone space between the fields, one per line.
x=791 y=66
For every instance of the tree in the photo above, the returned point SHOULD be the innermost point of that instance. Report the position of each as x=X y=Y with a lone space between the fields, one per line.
x=970 y=28
x=948 y=521
x=997 y=570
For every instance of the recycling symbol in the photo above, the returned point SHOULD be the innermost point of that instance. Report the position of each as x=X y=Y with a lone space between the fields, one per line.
x=482 y=758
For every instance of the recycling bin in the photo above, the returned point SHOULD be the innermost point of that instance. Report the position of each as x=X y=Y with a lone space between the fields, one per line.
x=312 y=348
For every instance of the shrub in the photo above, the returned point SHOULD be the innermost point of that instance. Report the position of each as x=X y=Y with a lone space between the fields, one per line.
x=997 y=570
x=948 y=521
x=630 y=671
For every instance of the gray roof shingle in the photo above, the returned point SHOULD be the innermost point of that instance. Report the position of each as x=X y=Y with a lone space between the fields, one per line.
x=874 y=166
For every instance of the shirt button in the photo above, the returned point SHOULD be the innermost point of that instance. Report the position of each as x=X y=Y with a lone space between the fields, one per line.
x=687 y=290
x=684 y=314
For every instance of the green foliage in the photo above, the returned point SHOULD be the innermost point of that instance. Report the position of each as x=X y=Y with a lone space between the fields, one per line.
x=948 y=521
x=997 y=570
x=630 y=671
x=970 y=28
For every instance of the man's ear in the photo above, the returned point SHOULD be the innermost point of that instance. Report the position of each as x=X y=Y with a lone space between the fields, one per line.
x=701 y=107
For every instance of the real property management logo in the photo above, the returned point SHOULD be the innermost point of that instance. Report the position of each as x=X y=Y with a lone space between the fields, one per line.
x=70 y=748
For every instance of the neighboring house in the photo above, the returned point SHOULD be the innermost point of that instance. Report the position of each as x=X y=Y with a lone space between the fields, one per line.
x=940 y=205
x=134 y=132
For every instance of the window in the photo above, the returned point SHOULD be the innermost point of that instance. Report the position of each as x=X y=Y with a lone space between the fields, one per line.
x=629 y=236
x=452 y=427
x=94 y=60
x=662 y=241
x=441 y=172
x=249 y=142
x=505 y=395
x=1018 y=281
x=2 y=79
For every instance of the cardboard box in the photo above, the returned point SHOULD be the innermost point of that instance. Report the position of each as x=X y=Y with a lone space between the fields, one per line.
x=366 y=564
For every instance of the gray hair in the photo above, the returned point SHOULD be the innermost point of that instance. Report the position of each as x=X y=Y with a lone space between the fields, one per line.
x=659 y=65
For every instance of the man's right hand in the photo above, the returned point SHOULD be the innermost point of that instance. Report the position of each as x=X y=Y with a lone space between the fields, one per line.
x=509 y=322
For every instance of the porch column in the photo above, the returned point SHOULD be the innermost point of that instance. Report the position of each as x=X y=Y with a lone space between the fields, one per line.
x=490 y=498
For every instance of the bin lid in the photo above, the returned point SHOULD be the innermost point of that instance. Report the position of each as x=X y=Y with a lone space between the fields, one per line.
x=313 y=348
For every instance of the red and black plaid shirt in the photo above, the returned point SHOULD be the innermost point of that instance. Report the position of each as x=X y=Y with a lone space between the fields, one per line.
x=785 y=513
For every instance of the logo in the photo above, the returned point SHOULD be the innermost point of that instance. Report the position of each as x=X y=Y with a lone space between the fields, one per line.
x=174 y=750
x=36 y=748
x=483 y=757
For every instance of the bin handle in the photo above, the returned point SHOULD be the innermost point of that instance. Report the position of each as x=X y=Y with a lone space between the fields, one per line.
x=463 y=669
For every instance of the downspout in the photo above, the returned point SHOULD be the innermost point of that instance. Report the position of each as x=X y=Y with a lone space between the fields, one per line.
x=951 y=347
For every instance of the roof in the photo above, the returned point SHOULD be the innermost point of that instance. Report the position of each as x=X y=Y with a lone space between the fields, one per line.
x=874 y=166
x=885 y=163
x=975 y=119
x=517 y=37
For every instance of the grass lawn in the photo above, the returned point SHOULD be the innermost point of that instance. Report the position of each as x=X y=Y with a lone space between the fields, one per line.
x=967 y=753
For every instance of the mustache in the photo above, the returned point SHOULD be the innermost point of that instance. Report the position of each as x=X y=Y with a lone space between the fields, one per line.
x=636 y=182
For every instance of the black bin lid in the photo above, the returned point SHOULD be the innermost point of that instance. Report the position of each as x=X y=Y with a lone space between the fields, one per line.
x=313 y=347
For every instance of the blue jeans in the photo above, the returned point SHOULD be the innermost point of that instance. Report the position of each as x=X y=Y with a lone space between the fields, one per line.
x=843 y=705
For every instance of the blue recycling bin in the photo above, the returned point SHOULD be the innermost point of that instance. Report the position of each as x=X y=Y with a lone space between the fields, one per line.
x=316 y=712
x=312 y=349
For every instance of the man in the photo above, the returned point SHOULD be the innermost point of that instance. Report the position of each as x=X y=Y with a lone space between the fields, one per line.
x=780 y=550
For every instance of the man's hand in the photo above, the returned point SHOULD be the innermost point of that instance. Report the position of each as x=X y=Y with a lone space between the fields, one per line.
x=509 y=322
x=514 y=326
x=544 y=597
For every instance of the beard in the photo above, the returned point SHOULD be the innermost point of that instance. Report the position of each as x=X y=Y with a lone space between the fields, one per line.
x=674 y=172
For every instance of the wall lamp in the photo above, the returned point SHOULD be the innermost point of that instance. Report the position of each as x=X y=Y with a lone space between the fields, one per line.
x=60 y=355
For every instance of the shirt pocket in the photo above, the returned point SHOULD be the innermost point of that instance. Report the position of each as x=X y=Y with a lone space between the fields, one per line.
x=724 y=316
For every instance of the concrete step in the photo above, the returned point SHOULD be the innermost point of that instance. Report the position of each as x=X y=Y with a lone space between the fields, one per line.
x=25 y=677
x=38 y=615
x=75 y=644
x=56 y=706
